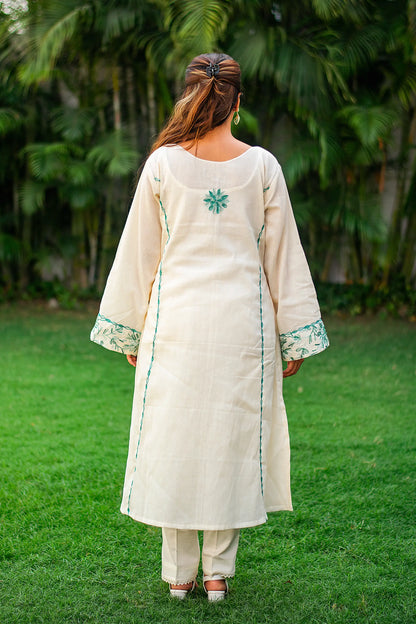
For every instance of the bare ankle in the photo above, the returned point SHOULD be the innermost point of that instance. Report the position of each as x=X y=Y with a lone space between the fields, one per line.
x=215 y=585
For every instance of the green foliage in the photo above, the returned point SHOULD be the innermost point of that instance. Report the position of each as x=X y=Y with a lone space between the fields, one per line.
x=328 y=87
x=48 y=160
x=73 y=124
x=10 y=120
x=10 y=248
x=195 y=25
x=114 y=154
x=118 y=21
x=350 y=10
x=396 y=299
x=371 y=124
x=32 y=195
x=60 y=23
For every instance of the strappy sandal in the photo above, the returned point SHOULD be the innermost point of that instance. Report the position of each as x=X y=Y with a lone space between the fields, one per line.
x=181 y=594
x=218 y=594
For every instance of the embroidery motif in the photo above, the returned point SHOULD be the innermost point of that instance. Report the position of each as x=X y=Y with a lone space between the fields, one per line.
x=114 y=336
x=304 y=342
x=216 y=200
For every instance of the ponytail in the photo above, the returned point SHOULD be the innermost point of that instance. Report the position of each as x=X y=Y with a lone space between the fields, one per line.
x=212 y=86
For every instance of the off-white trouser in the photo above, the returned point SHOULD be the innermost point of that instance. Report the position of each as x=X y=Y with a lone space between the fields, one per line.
x=180 y=554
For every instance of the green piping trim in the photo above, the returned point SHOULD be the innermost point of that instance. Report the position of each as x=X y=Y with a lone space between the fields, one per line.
x=262 y=381
x=262 y=366
x=100 y=317
x=259 y=236
x=151 y=358
x=166 y=220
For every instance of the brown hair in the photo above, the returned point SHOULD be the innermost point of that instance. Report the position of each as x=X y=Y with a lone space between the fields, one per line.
x=212 y=86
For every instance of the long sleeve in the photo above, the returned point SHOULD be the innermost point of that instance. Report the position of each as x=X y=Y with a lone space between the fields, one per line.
x=299 y=323
x=126 y=295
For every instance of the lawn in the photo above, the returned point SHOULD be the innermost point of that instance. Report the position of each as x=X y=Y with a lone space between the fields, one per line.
x=347 y=554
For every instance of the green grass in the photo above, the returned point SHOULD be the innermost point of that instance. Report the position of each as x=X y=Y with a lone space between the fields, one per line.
x=347 y=554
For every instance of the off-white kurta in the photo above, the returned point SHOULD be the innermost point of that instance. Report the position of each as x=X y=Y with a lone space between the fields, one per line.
x=211 y=289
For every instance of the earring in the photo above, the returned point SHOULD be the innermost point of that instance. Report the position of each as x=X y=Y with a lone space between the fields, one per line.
x=236 y=118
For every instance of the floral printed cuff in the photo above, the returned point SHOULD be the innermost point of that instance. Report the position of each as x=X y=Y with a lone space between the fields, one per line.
x=304 y=342
x=115 y=337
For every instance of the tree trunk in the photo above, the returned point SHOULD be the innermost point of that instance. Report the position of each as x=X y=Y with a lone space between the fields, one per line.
x=131 y=106
x=116 y=98
x=395 y=232
x=151 y=103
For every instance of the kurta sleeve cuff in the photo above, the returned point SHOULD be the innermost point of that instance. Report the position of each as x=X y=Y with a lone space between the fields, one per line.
x=304 y=342
x=115 y=337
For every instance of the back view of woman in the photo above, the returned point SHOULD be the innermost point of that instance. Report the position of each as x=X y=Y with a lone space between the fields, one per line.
x=209 y=291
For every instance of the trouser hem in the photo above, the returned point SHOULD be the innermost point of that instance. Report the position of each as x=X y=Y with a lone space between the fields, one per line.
x=172 y=581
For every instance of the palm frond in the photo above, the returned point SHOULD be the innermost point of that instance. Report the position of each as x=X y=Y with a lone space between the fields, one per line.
x=197 y=24
x=407 y=89
x=78 y=197
x=32 y=196
x=10 y=119
x=331 y=154
x=302 y=76
x=10 y=247
x=114 y=154
x=73 y=124
x=370 y=123
x=254 y=47
x=303 y=158
x=79 y=173
x=363 y=216
x=357 y=49
x=350 y=10
x=48 y=42
x=118 y=21
x=47 y=161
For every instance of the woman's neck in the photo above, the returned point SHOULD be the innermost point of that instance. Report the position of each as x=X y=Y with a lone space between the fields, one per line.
x=218 y=144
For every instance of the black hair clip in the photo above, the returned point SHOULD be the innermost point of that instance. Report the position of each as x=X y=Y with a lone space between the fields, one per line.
x=213 y=70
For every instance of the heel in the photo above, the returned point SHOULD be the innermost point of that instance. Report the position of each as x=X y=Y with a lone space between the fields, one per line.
x=217 y=594
x=181 y=594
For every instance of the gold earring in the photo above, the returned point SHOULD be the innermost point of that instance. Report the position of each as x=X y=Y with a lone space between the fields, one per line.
x=236 y=118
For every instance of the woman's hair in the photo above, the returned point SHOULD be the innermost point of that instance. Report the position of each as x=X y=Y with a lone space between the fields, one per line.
x=212 y=86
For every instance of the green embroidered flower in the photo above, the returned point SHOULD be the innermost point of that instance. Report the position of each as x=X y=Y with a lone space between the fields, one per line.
x=216 y=200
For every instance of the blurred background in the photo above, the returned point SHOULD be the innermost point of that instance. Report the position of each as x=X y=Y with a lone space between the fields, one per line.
x=329 y=87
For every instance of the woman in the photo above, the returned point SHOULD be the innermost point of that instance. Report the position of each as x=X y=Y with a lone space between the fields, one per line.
x=209 y=274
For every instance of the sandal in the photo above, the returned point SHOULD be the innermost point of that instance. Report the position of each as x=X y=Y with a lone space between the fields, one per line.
x=181 y=594
x=217 y=594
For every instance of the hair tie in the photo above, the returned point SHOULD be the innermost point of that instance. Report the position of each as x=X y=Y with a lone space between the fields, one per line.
x=212 y=70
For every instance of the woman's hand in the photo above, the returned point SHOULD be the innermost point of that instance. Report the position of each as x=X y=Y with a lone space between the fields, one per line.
x=292 y=368
x=132 y=359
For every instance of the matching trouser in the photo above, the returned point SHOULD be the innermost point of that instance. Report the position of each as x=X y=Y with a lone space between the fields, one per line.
x=180 y=554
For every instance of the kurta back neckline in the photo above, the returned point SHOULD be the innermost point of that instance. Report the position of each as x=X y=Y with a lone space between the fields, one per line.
x=216 y=162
